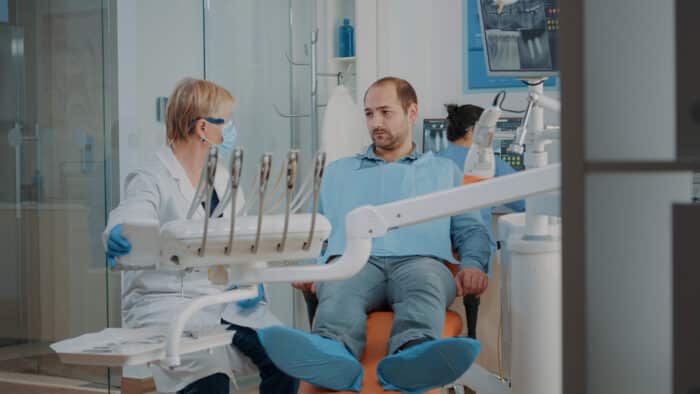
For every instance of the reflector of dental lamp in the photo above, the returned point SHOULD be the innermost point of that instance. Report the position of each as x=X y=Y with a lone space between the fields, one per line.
x=480 y=161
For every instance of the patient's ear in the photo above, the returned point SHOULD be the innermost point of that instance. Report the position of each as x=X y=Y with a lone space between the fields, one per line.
x=412 y=112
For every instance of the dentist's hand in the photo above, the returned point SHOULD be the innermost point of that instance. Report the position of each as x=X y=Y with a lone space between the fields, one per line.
x=252 y=302
x=117 y=245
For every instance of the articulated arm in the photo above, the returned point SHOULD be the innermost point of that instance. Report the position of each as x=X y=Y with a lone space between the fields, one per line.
x=471 y=197
x=367 y=222
x=172 y=344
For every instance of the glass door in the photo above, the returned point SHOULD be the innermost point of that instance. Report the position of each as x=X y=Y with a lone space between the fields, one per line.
x=54 y=116
x=12 y=302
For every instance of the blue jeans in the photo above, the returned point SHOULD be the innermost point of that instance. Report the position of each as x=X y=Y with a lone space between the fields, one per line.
x=417 y=288
x=273 y=381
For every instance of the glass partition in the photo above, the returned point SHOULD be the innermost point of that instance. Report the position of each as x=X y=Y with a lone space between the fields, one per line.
x=246 y=46
x=54 y=117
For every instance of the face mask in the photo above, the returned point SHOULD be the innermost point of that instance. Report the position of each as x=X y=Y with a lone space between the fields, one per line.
x=229 y=134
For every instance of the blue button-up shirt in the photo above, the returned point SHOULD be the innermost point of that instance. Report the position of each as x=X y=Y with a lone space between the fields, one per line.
x=366 y=179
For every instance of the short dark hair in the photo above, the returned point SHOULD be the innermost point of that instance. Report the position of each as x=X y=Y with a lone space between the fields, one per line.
x=404 y=90
x=460 y=118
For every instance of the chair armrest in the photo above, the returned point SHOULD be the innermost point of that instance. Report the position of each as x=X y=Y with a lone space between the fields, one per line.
x=311 y=305
x=471 y=308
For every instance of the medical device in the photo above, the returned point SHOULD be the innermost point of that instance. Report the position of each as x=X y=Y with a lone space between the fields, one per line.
x=533 y=265
x=521 y=37
x=480 y=162
x=531 y=260
x=506 y=129
x=212 y=240
x=187 y=244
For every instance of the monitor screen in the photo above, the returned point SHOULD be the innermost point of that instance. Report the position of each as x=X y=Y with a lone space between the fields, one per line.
x=434 y=134
x=521 y=37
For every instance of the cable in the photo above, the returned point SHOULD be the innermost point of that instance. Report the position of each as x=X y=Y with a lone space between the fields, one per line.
x=540 y=82
x=302 y=193
x=278 y=181
x=513 y=111
x=502 y=95
x=303 y=199
x=249 y=203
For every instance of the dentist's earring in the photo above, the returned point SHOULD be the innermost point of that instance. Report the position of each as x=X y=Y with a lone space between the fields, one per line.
x=202 y=138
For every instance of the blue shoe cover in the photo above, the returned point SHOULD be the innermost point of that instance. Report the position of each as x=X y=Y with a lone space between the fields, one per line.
x=428 y=365
x=313 y=358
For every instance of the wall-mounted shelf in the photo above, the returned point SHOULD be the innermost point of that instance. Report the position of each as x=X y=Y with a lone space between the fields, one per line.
x=350 y=59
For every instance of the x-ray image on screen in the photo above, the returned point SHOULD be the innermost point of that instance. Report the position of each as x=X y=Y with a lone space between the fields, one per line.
x=521 y=36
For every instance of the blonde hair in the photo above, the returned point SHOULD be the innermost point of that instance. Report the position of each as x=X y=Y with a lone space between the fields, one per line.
x=192 y=99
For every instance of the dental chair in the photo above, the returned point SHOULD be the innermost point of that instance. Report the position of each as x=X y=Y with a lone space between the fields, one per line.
x=378 y=330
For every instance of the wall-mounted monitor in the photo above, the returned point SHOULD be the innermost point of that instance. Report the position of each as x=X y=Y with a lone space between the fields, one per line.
x=521 y=37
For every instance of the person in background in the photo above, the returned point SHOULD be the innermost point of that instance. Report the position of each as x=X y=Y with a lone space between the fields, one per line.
x=461 y=120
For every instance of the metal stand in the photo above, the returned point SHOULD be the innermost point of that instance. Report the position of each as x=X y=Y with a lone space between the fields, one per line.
x=313 y=112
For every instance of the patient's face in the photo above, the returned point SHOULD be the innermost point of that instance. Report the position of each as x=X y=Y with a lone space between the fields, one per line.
x=388 y=124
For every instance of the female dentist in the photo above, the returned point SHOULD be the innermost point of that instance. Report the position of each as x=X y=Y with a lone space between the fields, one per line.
x=198 y=116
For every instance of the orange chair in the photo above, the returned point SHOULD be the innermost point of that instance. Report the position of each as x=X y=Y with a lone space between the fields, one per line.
x=378 y=330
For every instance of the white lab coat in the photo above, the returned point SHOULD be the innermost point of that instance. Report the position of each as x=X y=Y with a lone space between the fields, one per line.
x=162 y=191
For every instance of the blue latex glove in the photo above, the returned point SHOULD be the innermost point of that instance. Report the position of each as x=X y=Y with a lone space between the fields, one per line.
x=117 y=245
x=252 y=302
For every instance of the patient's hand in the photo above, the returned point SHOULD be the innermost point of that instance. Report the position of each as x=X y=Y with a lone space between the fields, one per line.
x=305 y=286
x=471 y=281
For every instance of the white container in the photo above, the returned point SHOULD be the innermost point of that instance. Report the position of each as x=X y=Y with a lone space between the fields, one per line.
x=532 y=308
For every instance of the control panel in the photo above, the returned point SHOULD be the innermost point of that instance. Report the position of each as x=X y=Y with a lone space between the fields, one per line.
x=505 y=134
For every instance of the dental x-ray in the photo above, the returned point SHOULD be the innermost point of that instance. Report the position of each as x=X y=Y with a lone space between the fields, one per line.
x=520 y=37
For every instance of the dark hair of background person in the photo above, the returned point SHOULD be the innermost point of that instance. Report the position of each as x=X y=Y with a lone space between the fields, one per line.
x=460 y=118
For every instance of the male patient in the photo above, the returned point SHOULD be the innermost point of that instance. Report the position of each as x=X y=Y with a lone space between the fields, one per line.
x=405 y=271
